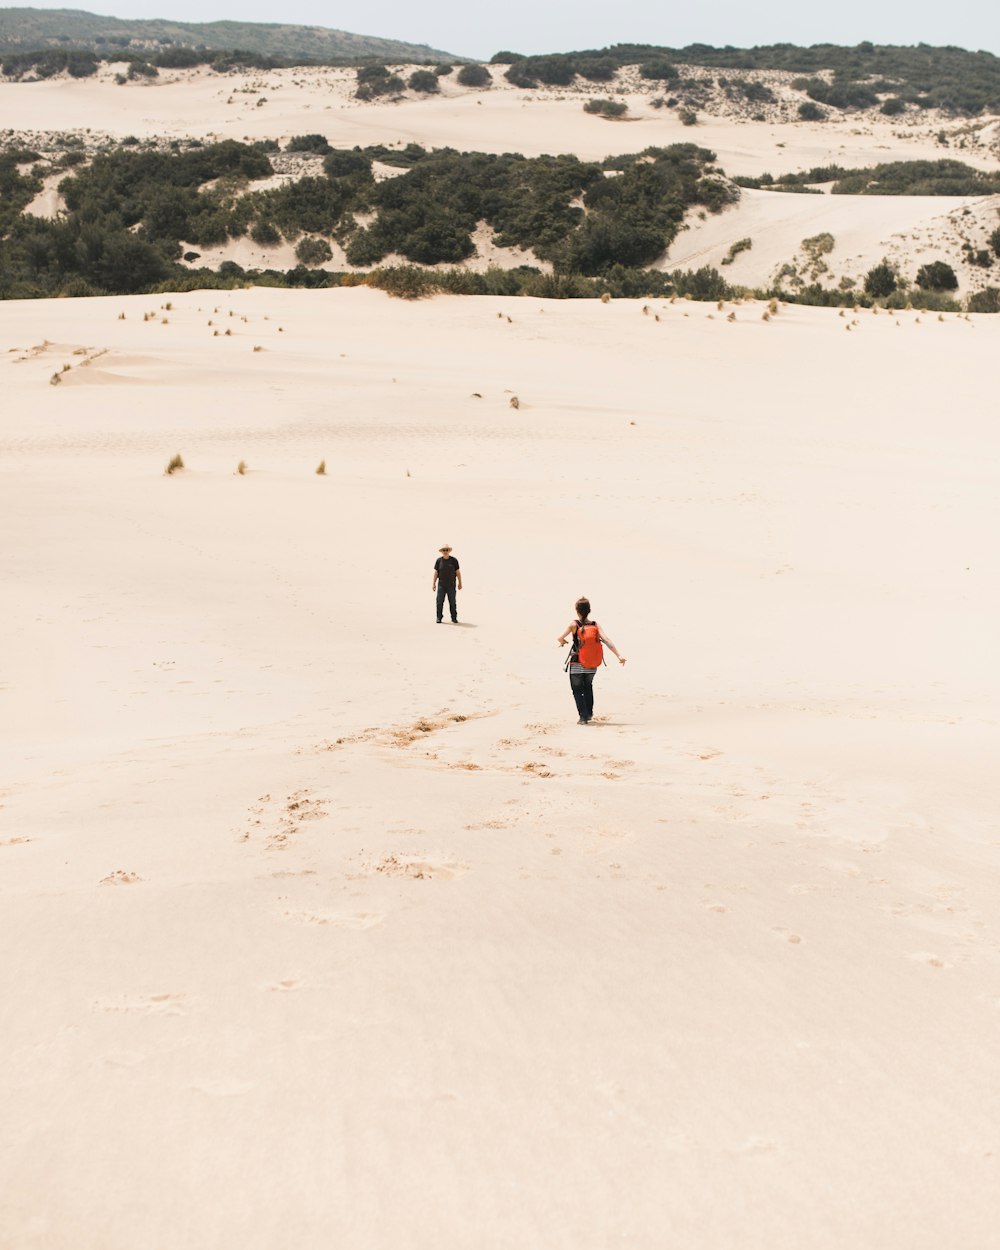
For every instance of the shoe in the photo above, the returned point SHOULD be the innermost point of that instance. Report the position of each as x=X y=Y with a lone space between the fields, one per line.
x=454 y=620
x=439 y=620
x=581 y=721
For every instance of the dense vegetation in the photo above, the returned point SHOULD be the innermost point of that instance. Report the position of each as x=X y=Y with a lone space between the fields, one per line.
x=944 y=177
x=946 y=78
x=131 y=213
x=134 y=213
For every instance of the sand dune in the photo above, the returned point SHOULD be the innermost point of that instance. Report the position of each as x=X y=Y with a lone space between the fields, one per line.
x=326 y=923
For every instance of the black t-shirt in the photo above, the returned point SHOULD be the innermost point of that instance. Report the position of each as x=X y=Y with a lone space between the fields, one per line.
x=446 y=567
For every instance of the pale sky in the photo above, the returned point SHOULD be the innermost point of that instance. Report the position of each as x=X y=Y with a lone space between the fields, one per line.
x=478 y=29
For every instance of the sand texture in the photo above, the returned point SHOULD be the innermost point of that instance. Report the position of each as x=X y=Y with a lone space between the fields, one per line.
x=325 y=925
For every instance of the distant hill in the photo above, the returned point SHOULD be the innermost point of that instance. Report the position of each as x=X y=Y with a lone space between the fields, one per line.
x=23 y=30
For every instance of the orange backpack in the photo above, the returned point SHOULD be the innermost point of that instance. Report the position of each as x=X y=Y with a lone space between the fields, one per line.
x=587 y=645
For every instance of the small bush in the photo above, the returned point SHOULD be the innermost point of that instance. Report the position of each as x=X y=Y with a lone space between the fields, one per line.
x=985 y=301
x=606 y=108
x=241 y=468
x=321 y=469
x=659 y=71
x=880 y=281
x=424 y=81
x=313 y=251
x=741 y=245
x=475 y=76
x=688 y=117
x=442 y=71
x=173 y=464
x=937 y=276
x=308 y=143
x=265 y=233
x=893 y=106
x=810 y=112
x=995 y=241
x=404 y=281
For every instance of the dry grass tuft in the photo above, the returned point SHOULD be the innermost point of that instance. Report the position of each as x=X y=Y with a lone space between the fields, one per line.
x=731 y=317
x=258 y=349
x=174 y=463
x=766 y=317
x=228 y=333
x=606 y=297
x=515 y=402
x=772 y=307
x=321 y=469
x=241 y=468
x=121 y=316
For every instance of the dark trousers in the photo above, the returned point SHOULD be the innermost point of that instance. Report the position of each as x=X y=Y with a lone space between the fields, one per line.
x=582 y=685
x=450 y=592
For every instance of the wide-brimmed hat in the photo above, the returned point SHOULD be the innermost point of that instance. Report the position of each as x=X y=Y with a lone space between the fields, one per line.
x=445 y=548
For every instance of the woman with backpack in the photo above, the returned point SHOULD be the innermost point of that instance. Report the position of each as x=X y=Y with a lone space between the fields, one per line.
x=585 y=657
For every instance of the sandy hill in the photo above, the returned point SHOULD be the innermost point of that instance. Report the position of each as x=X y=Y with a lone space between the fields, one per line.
x=277 y=104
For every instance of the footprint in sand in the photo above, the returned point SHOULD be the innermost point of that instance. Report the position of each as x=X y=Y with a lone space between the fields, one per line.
x=120 y=877
x=338 y=919
x=420 y=869
x=789 y=937
x=143 y=1004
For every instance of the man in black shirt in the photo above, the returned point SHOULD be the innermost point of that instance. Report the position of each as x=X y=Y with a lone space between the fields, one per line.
x=446 y=578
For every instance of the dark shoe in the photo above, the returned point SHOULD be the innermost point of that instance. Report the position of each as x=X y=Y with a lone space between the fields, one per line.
x=439 y=620
x=454 y=620
x=581 y=721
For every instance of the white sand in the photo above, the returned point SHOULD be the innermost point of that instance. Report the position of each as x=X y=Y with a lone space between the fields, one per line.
x=283 y=970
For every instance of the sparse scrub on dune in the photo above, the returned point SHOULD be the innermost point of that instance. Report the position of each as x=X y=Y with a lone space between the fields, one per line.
x=741 y=245
x=173 y=464
x=606 y=108
x=405 y=281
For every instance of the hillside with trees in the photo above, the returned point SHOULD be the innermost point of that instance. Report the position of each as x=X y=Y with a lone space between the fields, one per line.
x=30 y=30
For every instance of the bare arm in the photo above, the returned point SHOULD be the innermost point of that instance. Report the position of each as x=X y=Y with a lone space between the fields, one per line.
x=566 y=633
x=611 y=647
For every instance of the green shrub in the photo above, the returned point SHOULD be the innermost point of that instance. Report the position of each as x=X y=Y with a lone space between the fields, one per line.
x=985 y=301
x=265 y=233
x=309 y=143
x=937 y=276
x=688 y=117
x=741 y=245
x=475 y=76
x=606 y=108
x=404 y=282
x=659 y=71
x=893 y=106
x=313 y=251
x=424 y=81
x=880 y=280
x=995 y=241
x=810 y=112
x=442 y=71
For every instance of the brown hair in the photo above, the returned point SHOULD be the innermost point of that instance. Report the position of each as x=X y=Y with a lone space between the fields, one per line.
x=582 y=606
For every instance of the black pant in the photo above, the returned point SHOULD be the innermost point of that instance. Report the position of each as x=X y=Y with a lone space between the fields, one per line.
x=450 y=592
x=582 y=685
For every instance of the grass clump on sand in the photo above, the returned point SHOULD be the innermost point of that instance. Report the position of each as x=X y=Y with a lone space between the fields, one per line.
x=606 y=108
x=241 y=468
x=321 y=469
x=174 y=463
